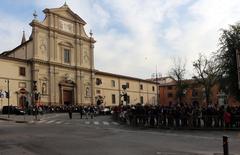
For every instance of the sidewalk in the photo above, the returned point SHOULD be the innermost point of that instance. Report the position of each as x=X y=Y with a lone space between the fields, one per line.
x=20 y=118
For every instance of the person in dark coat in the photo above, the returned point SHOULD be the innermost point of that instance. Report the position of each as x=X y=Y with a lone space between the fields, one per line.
x=70 y=112
x=81 y=111
x=91 y=110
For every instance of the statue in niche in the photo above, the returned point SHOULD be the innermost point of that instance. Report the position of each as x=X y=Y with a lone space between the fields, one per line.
x=87 y=92
x=44 y=88
x=43 y=45
x=86 y=57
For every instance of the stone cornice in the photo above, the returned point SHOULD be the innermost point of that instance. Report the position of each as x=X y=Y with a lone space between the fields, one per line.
x=129 y=91
x=35 y=23
x=14 y=59
x=75 y=16
x=123 y=76
x=61 y=65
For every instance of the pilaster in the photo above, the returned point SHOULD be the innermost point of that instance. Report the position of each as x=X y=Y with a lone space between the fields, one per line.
x=52 y=89
x=51 y=46
x=78 y=89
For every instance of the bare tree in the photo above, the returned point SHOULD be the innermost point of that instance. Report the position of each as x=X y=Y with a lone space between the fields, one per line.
x=178 y=72
x=207 y=73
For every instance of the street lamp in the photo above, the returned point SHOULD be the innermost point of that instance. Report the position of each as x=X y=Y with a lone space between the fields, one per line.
x=222 y=99
x=155 y=77
x=238 y=66
x=35 y=97
x=124 y=93
x=8 y=95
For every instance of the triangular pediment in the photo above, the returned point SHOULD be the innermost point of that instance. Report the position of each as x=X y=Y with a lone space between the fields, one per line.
x=65 y=12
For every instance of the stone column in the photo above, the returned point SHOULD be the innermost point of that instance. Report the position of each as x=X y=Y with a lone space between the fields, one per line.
x=78 y=87
x=92 y=55
x=35 y=70
x=81 y=52
x=81 y=87
x=35 y=42
x=51 y=86
x=51 y=51
x=77 y=52
x=92 y=70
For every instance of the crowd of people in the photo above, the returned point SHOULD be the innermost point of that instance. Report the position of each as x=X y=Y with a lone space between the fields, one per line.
x=179 y=116
x=84 y=111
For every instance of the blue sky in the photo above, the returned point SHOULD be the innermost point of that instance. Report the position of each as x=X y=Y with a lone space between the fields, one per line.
x=133 y=37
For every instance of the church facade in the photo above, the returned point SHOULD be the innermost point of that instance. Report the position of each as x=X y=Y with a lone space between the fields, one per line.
x=55 y=66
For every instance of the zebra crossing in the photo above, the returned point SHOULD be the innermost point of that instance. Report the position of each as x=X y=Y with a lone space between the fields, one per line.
x=59 y=122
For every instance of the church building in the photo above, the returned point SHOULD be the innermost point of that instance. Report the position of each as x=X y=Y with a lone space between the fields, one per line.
x=55 y=66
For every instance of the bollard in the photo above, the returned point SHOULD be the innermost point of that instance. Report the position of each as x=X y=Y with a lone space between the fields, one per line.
x=225 y=145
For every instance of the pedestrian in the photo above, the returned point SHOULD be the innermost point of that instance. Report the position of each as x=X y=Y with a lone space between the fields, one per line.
x=86 y=111
x=91 y=110
x=227 y=118
x=70 y=112
x=81 y=111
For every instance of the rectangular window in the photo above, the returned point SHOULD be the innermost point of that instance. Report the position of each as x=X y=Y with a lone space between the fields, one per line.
x=22 y=71
x=98 y=91
x=66 y=56
x=153 y=88
x=169 y=87
x=141 y=99
x=141 y=86
x=98 y=81
x=113 y=83
x=113 y=99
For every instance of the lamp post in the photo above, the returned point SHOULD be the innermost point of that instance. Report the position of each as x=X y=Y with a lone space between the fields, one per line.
x=35 y=97
x=155 y=77
x=8 y=95
x=238 y=66
x=124 y=93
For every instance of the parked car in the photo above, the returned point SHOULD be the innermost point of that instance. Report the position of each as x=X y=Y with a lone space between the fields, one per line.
x=18 y=111
x=12 y=110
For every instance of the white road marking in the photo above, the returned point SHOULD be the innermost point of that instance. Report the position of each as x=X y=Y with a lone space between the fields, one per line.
x=105 y=123
x=87 y=122
x=31 y=122
x=96 y=123
x=50 y=121
x=59 y=122
x=115 y=123
x=42 y=121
